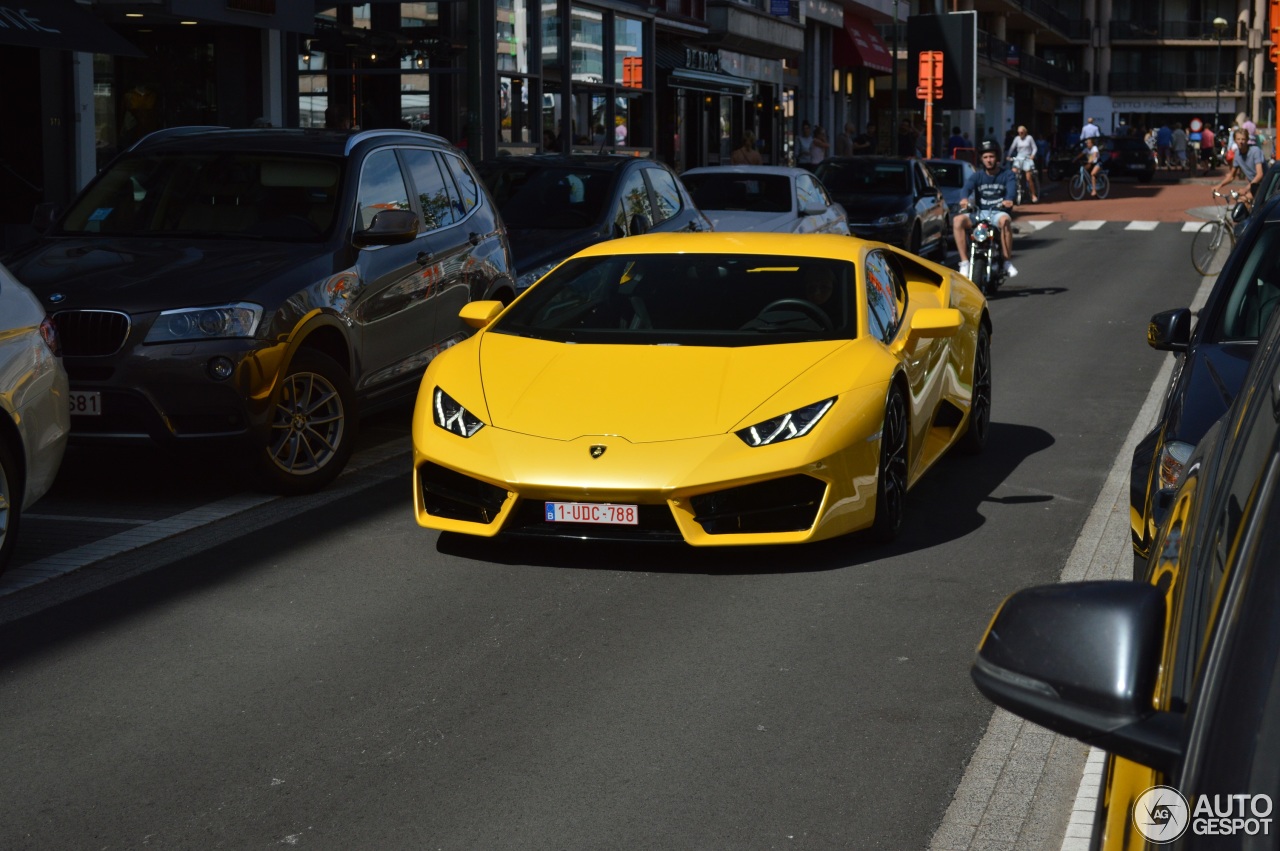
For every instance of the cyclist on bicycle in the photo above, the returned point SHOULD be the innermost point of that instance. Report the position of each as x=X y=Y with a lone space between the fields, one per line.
x=1093 y=162
x=1022 y=150
x=991 y=191
x=1248 y=161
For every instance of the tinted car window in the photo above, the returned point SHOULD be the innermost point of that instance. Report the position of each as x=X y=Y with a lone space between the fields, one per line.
x=1255 y=293
x=865 y=177
x=666 y=194
x=698 y=299
x=468 y=184
x=635 y=198
x=381 y=186
x=757 y=193
x=946 y=174
x=538 y=196
x=883 y=307
x=433 y=190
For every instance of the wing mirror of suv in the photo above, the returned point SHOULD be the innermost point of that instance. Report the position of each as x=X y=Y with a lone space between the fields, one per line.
x=44 y=216
x=389 y=227
x=639 y=224
x=1082 y=658
x=813 y=208
x=1170 y=330
x=1239 y=212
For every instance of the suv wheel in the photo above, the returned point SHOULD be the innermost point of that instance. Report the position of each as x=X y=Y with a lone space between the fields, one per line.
x=313 y=431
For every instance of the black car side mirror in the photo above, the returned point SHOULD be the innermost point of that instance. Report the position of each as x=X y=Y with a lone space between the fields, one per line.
x=639 y=224
x=44 y=216
x=1239 y=212
x=1170 y=330
x=1082 y=659
x=389 y=227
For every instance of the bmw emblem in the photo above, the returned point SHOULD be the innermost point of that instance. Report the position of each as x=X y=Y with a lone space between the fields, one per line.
x=597 y=449
x=57 y=298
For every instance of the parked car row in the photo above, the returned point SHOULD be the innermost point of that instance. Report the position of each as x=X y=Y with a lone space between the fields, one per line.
x=267 y=288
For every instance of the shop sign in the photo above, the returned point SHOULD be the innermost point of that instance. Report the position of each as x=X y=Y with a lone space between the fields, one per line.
x=702 y=60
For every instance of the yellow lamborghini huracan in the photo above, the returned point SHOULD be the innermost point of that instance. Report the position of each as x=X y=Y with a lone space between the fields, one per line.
x=715 y=388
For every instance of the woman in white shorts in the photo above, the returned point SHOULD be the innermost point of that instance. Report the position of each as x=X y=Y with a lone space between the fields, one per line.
x=1023 y=153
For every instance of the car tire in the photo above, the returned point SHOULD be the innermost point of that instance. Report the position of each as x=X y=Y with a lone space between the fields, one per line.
x=979 y=423
x=891 y=476
x=10 y=503
x=913 y=241
x=313 y=427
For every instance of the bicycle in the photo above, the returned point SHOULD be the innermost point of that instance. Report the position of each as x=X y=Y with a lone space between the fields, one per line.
x=1020 y=181
x=1206 y=246
x=1080 y=183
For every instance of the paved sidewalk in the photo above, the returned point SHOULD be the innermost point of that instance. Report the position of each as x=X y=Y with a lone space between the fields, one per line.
x=1164 y=199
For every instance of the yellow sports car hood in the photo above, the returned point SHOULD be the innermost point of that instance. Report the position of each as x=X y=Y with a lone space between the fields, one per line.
x=643 y=394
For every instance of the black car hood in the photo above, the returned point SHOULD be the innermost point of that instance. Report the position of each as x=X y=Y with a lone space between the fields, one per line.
x=868 y=208
x=534 y=247
x=1211 y=378
x=140 y=275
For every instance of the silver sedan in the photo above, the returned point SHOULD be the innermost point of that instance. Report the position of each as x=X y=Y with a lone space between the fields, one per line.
x=35 y=414
x=765 y=199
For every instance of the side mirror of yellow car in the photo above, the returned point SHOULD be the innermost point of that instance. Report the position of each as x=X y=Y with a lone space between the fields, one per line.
x=932 y=322
x=478 y=314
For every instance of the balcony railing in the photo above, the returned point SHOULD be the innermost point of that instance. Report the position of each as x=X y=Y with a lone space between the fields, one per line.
x=1174 y=81
x=1004 y=54
x=1048 y=13
x=1171 y=30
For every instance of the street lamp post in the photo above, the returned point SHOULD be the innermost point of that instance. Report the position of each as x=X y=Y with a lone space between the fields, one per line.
x=1219 y=28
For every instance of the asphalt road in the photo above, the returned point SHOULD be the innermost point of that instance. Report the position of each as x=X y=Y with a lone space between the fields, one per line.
x=324 y=673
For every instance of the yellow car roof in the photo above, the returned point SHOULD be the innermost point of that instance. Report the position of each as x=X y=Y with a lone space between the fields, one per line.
x=832 y=246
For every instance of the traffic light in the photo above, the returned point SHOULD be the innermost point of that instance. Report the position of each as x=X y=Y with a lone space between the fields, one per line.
x=930 y=87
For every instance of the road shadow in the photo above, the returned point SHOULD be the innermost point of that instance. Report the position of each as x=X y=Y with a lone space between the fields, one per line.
x=944 y=506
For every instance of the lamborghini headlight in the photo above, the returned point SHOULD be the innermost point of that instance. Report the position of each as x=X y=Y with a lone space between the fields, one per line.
x=451 y=416
x=797 y=423
x=205 y=323
x=1173 y=457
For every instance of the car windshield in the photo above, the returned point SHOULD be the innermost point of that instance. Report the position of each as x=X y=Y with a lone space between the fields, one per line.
x=540 y=196
x=947 y=174
x=1254 y=293
x=752 y=193
x=688 y=300
x=864 y=177
x=213 y=194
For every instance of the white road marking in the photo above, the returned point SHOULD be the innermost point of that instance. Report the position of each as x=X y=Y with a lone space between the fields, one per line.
x=1088 y=224
x=1191 y=227
x=1036 y=224
x=1141 y=226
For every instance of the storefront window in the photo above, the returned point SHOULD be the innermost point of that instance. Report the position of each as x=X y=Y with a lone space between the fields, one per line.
x=513 y=36
x=628 y=52
x=514 y=114
x=588 y=45
x=415 y=92
x=550 y=19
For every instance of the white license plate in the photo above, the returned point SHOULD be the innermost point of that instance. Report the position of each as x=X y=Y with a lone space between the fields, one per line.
x=593 y=512
x=85 y=403
x=1137 y=166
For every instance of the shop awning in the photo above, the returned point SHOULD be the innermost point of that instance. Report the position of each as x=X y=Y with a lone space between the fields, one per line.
x=61 y=25
x=697 y=79
x=860 y=46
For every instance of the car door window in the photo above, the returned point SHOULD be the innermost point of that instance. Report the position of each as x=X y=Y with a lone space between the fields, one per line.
x=633 y=201
x=808 y=192
x=434 y=196
x=886 y=296
x=467 y=183
x=666 y=194
x=382 y=186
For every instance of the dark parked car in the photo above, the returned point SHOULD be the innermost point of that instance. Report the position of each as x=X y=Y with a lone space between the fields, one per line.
x=1212 y=361
x=266 y=286
x=555 y=205
x=890 y=200
x=1177 y=676
x=1121 y=156
x=950 y=176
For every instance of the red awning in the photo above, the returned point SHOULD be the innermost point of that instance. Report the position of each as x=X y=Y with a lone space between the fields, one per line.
x=860 y=46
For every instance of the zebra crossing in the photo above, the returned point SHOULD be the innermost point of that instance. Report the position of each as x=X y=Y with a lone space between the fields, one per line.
x=1038 y=225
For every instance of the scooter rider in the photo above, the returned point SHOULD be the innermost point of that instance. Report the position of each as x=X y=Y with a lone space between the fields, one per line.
x=991 y=190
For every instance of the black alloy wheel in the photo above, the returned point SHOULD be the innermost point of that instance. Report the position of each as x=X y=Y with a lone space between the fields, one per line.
x=10 y=503
x=313 y=430
x=979 y=423
x=891 y=478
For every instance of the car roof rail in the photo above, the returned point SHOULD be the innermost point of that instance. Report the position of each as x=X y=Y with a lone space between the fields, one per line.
x=364 y=135
x=167 y=132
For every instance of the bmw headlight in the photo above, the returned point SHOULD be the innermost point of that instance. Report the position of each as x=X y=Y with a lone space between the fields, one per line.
x=205 y=323
x=1173 y=458
x=528 y=278
x=797 y=423
x=895 y=219
x=451 y=416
